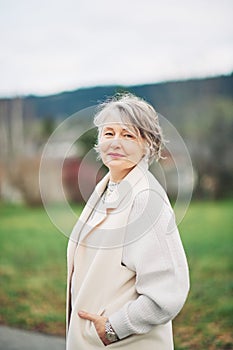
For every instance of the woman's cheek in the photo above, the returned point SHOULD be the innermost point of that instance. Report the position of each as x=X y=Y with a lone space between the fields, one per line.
x=133 y=149
x=103 y=146
x=103 y=149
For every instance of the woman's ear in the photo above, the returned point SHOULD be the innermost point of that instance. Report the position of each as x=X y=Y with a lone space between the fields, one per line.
x=146 y=151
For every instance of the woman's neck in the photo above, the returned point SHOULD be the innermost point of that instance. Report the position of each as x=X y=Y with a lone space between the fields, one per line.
x=117 y=176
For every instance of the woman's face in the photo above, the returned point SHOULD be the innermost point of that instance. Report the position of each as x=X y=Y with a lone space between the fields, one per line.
x=120 y=147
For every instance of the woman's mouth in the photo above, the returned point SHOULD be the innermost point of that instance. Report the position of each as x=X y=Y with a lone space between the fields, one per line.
x=116 y=155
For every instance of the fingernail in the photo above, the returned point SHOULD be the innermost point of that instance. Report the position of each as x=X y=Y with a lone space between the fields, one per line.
x=81 y=312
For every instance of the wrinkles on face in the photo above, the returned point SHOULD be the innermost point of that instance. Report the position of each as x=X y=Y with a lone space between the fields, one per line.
x=120 y=146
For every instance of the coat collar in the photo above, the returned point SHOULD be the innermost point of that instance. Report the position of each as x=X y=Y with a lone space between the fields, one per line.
x=125 y=189
x=124 y=186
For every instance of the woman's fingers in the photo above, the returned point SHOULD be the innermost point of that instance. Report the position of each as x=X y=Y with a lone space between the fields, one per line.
x=88 y=316
x=99 y=322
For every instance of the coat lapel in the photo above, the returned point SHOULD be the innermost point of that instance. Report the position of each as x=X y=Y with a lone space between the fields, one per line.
x=88 y=209
x=81 y=230
x=124 y=194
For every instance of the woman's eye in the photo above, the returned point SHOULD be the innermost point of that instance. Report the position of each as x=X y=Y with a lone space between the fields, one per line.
x=108 y=133
x=129 y=136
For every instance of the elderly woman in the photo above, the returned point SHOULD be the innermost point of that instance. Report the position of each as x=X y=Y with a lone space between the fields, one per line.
x=127 y=270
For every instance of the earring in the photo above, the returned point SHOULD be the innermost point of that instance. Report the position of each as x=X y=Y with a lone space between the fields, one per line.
x=147 y=154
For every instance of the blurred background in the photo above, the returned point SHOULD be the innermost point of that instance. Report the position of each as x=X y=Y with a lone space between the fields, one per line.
x=60 y=57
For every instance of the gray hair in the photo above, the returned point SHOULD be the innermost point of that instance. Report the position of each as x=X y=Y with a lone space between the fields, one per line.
x=140 y=115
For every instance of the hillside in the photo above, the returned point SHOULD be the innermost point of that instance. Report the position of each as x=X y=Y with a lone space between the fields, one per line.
x=162 y=95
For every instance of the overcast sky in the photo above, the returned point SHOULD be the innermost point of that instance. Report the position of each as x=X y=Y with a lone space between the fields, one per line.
x=49 y=46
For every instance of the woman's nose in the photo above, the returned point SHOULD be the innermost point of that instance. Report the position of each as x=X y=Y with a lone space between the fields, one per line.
x=116 y=142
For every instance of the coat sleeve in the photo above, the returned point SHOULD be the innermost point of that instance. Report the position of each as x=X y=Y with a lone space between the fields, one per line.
x=154 y=251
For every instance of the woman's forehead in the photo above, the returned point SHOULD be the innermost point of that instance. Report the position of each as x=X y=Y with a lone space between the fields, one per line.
x=118 y=125
x=113 y=118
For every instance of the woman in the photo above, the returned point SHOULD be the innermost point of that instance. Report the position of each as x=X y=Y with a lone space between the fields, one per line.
x=127 y=271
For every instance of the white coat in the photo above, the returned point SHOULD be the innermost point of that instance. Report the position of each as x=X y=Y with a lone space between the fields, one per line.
x=100 y=283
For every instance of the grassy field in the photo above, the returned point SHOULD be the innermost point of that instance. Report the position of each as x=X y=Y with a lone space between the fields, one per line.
x=33 y=274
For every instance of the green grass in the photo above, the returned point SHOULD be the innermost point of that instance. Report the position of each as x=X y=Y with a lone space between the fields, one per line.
x=32 y=270
x=206 y=320
x=33 y=274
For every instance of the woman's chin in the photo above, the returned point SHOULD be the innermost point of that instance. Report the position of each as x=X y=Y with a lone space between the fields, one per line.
x=120 y=164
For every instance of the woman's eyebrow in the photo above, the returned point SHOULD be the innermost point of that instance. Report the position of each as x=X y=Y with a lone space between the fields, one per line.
x=130 y=131
x=124 y=129
x=107 y=128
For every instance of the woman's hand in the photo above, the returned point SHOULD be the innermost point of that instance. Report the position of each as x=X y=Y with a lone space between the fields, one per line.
x=99 y=323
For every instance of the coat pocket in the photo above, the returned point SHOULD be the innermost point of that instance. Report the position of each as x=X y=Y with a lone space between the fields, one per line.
x=92 y=334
